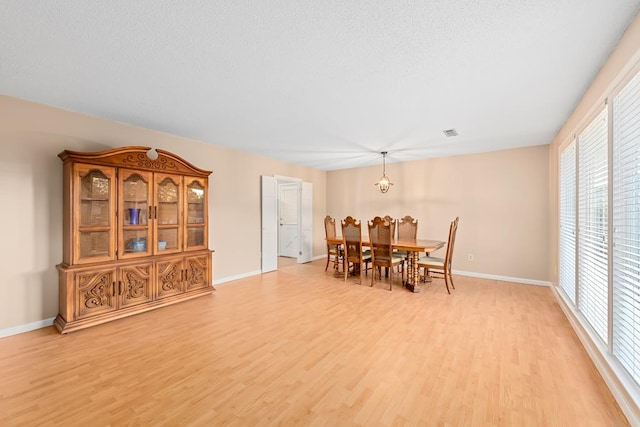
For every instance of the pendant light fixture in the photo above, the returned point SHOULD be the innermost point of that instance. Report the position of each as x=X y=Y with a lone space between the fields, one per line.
x=384 y=183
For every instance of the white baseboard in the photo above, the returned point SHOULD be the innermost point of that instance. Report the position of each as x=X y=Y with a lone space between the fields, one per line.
x=236 y=277
x=26 y=327
x=621 y=386
x=502 y=278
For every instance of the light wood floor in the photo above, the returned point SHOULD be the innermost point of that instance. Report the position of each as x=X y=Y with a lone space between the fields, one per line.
x=300 y=347
x=284 y=261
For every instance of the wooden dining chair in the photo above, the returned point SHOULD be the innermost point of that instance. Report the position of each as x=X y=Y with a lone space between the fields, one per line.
x=439 y=265
x=382 y=255
x=353 y=252
x=333 y=250
x=391 y=221
x=407 y=230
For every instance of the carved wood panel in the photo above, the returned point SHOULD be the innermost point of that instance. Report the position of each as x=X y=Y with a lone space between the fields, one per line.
x=95 y=292
x=197 y=268
x=169 y=278
x=135 y=282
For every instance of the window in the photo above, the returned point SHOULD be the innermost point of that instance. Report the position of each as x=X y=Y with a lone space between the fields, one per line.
x=568 y=221
x=626 y=227
x=599 y=200
x=593 y=280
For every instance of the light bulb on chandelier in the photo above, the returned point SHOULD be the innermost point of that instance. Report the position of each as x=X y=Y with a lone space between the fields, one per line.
x=384 y=183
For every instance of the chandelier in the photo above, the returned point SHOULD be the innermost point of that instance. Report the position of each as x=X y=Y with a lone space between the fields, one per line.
x=384 y=183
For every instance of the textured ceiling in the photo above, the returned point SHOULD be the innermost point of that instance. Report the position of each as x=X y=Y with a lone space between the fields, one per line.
x=327 y=84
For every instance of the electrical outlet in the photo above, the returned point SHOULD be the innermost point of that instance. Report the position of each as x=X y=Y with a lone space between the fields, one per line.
x=470 y=257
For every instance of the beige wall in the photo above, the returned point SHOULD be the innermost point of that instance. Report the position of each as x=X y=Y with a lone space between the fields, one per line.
x=623 y=60
x=32 y=135
x=501 y=198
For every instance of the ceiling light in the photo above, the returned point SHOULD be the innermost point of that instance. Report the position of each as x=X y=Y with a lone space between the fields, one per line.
x=384 y=183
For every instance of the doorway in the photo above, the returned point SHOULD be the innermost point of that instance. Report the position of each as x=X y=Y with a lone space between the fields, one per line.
x=288 y=231
x=302 y=239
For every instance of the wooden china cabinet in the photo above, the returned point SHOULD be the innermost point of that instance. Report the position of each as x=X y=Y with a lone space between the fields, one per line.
x=135 y=235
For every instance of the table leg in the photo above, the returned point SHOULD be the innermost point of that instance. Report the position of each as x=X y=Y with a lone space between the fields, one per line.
x=337 y=260
x=427 y=278
x=412 y=271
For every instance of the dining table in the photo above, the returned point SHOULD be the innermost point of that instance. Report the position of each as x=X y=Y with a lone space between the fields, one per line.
x=413 y=248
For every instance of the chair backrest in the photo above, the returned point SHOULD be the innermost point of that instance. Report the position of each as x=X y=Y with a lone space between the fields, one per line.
x=407 y=228
x=391 y=221
x=453 y=229
x=352 y=237
x=380 y=236
x=329 y=227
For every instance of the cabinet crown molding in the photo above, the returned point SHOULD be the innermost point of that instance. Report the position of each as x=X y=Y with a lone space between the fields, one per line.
x=135 y=157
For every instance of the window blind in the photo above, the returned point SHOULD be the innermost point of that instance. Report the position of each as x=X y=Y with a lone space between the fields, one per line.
x=592 y=224
x=626 y=227
x=568 y=221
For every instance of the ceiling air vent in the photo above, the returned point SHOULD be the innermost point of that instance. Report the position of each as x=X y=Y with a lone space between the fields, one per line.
x=450 y=132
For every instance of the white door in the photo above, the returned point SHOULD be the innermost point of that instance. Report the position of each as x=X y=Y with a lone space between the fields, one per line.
x=306 y=223
x=269 y=224
x=288 y=214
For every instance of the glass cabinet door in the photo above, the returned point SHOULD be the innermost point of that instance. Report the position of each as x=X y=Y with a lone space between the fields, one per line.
x=196 y=212
x=134 y=211
x=168 y=213
x=94 y=193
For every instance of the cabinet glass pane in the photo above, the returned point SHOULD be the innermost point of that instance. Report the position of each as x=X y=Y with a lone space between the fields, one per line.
x=195 y=236
x=136 y=203
x=168 y=198
x=195 y=203
x=135 y=241
x=94 y=243
x=167 y=239
x=94 y=199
